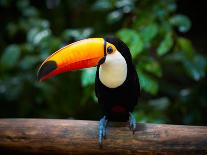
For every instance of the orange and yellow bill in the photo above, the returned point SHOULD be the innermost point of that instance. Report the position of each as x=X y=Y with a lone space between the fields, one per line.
x=81 y=54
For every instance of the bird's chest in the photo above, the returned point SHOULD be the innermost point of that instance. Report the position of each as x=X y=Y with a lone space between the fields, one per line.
x=113 y=74
x=116 y=99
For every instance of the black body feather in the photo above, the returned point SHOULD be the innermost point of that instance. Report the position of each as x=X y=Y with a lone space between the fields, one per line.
x=118 y=102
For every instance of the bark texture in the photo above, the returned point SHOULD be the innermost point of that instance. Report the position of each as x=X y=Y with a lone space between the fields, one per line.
x=51 y=136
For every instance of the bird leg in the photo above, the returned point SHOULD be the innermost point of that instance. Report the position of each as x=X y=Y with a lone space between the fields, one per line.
x=132 y=122
x=102 y=130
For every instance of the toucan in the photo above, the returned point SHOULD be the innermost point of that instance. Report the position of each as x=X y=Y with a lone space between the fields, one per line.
x=116 y=84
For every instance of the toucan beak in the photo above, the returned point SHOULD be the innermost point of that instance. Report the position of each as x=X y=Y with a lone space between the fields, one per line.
x=81 y=54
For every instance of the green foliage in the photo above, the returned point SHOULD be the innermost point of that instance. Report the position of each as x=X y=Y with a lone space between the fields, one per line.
x=149 y=84
x=165 y=45
x=10 y=57
x=182 y=22
x=196 y=67
x=132 y=39
x=88 y=76
x=171 y=71
x=149 y=32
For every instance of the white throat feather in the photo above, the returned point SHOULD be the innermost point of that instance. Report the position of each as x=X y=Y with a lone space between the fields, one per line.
x=113 y=72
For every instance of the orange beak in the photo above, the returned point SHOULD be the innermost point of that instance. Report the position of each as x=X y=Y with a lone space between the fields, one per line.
x=81 y=54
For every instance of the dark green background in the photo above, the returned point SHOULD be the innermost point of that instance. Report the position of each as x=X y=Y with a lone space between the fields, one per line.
x=167 y=39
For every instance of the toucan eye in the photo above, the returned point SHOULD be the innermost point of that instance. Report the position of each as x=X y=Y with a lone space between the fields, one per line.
x=109 y=50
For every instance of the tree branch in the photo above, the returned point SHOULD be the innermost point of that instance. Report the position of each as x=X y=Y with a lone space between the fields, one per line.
x=52 y=136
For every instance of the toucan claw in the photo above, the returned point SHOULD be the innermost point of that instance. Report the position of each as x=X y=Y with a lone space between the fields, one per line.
x=132 y=122
x=102 y=130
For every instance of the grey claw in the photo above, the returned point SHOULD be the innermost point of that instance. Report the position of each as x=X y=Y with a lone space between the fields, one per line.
x=132 y=122
x=102 y=131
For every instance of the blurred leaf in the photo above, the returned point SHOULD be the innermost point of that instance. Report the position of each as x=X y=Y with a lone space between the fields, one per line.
x=22 y=4
x=35 y=36
x=175 y=57
x=160 y=103
x=147 y=83
x=165 y=45
x=50 y=45
x=12 y=29
x=152 y=117
x=126 y=5
x=23 y=26
x=72 y=33
x=182 y=22
x=88 y=76
x=114 y=16
x=149 y=32
x=172 y=6
x=31 y=34
x=27 y=48
x=141 y=21
x=150 y=65
x=185 y=46
x=132 y=39
x=77 y=34
x=28 y=62
x=196 y=67
x=153 y=67
x=123 y=3
x=102 y=5
x=10 y=56
x=29 y=11
x=14 y=88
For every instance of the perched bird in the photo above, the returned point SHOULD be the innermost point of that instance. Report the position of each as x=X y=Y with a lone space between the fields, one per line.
x=116 y=85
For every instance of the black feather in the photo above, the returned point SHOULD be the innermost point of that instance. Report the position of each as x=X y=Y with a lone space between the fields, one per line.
x=125 y=95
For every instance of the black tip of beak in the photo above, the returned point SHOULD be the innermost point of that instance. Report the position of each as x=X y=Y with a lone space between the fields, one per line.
x=46 y=68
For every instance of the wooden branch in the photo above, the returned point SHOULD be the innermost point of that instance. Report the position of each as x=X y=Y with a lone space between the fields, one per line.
x=52 y=136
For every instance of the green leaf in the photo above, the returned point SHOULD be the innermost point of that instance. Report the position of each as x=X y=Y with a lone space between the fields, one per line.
x=88 y=76
x=77 y=34
x=185 y=45
x=10 y=56
x=150 y=65
x=102 y=5
x=153 y=67
x=147 y=83
x=132 y=39
x=12 y=29
x=165 y=45
x=149 y=32
x=28 y=62
x=30 y=11
x=159 y=103
x=125 y=5
x=172 y=6
x=36 y=36
x=114 y=16
x=196 y=67
x=22 y=4
x=182 y=22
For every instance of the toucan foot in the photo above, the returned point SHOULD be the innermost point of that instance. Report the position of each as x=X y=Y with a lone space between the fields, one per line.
x=102 y=130
x=132 y=122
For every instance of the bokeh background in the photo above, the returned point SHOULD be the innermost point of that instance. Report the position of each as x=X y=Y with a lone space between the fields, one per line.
x=167 y=39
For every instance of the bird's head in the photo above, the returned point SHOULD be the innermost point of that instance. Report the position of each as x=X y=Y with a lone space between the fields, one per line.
x=84 y=54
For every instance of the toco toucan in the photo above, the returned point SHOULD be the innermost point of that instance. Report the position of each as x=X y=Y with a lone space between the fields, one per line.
x=116 y=85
